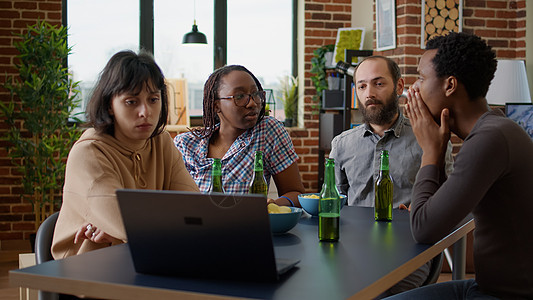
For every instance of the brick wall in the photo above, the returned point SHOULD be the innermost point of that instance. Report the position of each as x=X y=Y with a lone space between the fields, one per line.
x=502 y=23
x=16 y=218
x=322 y=19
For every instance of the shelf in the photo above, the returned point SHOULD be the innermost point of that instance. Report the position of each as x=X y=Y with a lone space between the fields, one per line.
x=337 y=118
x=332 y=109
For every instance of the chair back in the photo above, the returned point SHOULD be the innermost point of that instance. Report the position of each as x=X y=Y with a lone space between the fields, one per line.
x=434 y=271
x=43 y=239
x=43 y=249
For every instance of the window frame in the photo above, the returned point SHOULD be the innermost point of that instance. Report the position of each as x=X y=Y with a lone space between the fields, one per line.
x=146 y=31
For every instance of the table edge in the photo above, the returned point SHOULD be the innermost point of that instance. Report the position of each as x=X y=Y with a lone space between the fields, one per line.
x=376 y=288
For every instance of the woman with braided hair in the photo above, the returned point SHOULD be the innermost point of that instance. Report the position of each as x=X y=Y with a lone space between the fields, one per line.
x=235 y=126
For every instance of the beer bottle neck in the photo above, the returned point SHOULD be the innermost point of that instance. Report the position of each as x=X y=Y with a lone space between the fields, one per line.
x=384 y=161
x=329 y=177
x=217 y=168
x=330 y=188
x=258 y=162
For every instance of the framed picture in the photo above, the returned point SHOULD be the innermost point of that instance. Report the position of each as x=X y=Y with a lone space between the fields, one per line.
x=440 y=17
x=522 y=114
x=385 y=24
x=347 y=38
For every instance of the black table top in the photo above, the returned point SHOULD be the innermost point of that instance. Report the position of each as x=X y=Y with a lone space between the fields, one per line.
x=369 y=258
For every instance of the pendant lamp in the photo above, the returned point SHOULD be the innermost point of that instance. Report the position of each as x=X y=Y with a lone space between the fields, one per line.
x=195 y=36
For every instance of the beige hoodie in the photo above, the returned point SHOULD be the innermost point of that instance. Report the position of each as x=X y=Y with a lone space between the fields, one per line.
x=97 y=165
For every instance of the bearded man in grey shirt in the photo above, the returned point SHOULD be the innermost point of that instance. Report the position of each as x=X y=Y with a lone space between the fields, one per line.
x=357 y=151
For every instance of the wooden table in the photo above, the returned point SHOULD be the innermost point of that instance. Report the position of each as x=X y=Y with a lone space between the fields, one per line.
x=369 y=258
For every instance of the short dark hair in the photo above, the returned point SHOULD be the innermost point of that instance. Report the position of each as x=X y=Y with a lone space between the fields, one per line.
x=211 y=87
x=126 y=71
x=468 y=58
x=394 y=69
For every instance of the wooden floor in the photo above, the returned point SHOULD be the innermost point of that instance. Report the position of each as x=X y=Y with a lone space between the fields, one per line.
x=7 y=292
x=12 y=293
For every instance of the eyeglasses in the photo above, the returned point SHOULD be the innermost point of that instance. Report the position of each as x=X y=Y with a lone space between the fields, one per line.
x=243 y=99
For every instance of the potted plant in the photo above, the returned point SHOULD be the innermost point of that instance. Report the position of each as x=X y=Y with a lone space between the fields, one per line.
x=289 y=98
x=43 y=96
x=318 y=68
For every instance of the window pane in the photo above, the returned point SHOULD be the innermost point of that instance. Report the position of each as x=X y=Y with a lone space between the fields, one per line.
x=97 y=30
x=260 y=38
x=185 y=64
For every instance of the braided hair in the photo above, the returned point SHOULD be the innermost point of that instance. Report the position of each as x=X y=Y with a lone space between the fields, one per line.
x=211 y=87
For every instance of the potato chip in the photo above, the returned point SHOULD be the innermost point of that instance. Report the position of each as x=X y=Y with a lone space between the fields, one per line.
x=273 y=208
x=276 y=209
x=285 y=209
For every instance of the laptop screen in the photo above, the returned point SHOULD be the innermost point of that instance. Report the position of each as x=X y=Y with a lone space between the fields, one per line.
x=522 y=114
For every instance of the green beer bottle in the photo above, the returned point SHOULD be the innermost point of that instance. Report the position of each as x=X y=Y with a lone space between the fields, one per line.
x=329 y=206
x=383 y=190
x=216 y=177
x=259 y=184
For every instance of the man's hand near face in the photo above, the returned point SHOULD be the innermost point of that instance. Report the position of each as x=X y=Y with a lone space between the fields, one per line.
x=432 y=138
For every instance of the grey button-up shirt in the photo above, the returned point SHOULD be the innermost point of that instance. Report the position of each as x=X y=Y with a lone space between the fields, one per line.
x=357 y=159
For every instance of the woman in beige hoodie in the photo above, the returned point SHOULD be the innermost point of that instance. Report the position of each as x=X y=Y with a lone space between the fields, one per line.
x=126 y=147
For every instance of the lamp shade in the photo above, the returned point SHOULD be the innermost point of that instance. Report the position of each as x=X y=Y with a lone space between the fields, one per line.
x=195 y=36
x=509 y=83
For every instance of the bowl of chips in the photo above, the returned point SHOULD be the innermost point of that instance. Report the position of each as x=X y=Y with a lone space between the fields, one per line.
x=309 y=202
x=283 y=218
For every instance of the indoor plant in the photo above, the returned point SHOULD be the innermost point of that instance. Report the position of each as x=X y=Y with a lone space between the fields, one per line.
x=289 y=98
x=42 y=98
x=318 y=68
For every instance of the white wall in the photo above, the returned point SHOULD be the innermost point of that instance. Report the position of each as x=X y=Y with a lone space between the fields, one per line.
x=363 y=16
x=529 y=44
x=301 y=61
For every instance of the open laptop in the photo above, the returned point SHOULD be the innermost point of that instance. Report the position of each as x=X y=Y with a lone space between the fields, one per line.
x=189 y=234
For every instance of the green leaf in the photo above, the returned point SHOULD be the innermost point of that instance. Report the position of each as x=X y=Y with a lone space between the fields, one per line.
x=42 y=97
x=289 y=96
x=318 y=64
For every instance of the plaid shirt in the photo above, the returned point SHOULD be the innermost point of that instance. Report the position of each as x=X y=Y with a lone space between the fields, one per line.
x=268 y=136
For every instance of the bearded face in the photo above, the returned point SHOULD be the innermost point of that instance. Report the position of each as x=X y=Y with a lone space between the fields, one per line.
x=379 y=111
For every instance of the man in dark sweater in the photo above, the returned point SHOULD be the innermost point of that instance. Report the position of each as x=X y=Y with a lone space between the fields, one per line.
x=492 y=176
